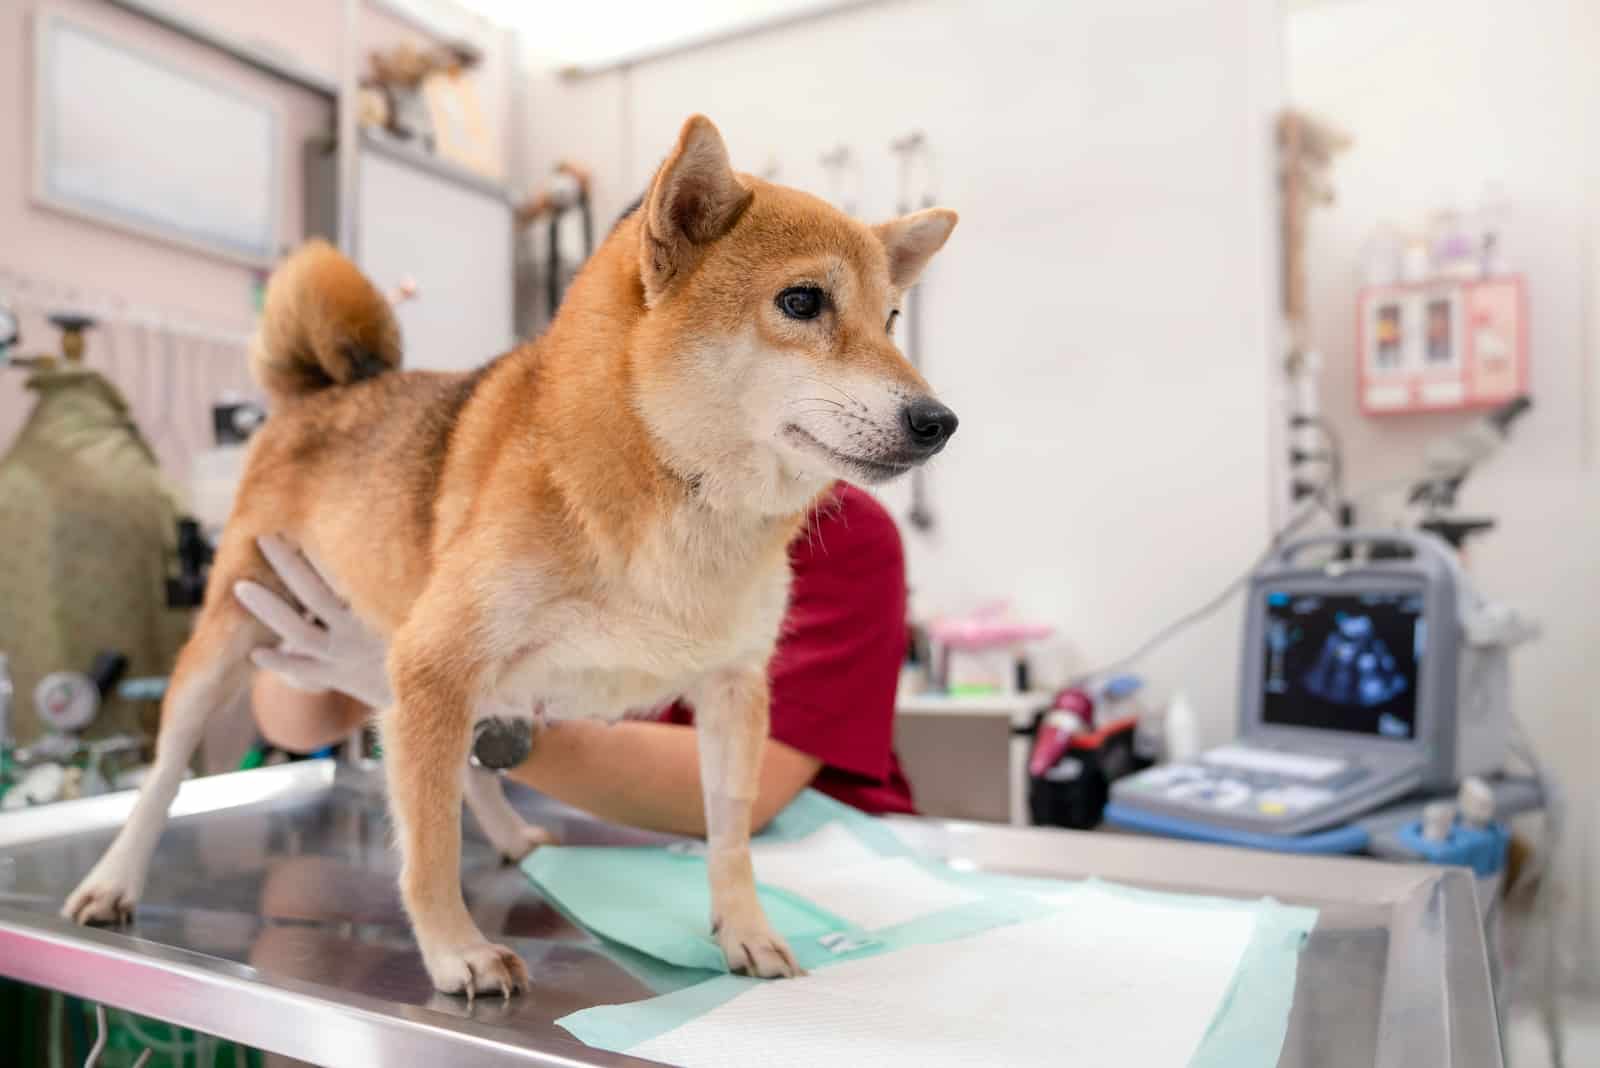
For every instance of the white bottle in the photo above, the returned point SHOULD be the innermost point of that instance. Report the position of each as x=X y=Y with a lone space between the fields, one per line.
x=1181 y=730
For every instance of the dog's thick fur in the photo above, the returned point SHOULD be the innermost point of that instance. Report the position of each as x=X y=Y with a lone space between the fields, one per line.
x=595 y=522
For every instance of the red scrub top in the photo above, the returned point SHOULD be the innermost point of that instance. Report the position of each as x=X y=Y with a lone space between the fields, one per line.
x=837 y=665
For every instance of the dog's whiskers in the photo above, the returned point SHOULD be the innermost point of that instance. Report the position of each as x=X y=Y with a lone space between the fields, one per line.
x=812 y=400
x=829 y=385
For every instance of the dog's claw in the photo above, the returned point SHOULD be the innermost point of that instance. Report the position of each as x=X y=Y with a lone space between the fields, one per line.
x=483 y=968
x=760 y=952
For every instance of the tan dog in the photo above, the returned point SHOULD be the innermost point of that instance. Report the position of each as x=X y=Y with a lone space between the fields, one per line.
x=593 y=523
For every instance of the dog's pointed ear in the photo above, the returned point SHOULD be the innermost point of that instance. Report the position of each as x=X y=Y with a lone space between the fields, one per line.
x=911 y=241
x=695 y=199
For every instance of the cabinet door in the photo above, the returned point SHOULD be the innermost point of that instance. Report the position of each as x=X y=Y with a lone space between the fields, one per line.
x=455 y=242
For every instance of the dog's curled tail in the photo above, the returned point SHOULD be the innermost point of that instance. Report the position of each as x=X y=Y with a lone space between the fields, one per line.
x=323 y=325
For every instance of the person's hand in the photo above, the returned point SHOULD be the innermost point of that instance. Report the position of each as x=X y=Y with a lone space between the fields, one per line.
x=323 y=646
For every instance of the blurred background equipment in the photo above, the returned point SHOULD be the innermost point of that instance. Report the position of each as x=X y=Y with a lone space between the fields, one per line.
x=89 y=525
x=1450 y=459
x=1366 y=678
x=916 y=188
x=541 y=282
x=10 y=333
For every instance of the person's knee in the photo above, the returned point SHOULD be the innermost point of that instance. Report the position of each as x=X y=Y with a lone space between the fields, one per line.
x=301 y=722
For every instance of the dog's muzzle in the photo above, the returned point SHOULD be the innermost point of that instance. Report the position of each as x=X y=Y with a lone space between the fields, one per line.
x=498 y=744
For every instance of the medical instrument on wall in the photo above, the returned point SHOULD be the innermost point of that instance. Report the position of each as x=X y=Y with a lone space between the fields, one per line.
x=1363 y=680
x=911 y=153
x=1306 y=149
x=567 y=192
x=844 y=178
x=73 y=325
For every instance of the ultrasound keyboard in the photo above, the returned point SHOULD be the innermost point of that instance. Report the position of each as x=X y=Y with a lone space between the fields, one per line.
x=1265 y=790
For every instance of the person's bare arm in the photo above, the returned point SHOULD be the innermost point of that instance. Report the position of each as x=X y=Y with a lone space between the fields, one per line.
x=648 y=774
x=301 y=721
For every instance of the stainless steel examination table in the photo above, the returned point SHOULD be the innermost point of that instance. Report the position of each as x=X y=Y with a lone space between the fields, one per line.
x=272 y=919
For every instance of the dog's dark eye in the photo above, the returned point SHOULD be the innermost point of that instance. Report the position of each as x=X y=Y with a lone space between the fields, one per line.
x=888 y=327
x=801 y=302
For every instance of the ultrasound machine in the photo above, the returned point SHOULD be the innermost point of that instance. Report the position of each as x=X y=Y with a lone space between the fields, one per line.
x=1371 y=671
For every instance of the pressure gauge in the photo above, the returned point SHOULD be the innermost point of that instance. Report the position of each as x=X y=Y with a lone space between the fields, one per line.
x=66 y=700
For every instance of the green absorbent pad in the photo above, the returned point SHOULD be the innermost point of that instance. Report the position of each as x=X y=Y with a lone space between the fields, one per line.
x=915 y=963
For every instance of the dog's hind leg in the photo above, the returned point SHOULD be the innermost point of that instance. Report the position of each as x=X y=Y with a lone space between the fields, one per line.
x=512 y=836
x=731 y=717
x=212 y=670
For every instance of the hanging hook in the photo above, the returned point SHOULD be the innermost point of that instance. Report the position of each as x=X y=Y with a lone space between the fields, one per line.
x=840 y=162
x=911 y=152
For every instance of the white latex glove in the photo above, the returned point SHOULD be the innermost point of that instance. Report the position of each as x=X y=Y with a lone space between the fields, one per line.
x=323 y=646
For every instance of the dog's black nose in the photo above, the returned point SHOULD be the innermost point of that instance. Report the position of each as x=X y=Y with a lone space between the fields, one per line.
x=498 y=744
x=929 y=423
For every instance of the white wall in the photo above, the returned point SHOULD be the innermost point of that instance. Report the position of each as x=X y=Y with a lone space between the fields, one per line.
x=1100 y=318
x=1443 y=97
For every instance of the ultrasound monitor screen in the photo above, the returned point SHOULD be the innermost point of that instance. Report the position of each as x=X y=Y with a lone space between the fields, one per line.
x=1343 y=662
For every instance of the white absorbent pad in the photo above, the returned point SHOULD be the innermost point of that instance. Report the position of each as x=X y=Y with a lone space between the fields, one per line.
x=915 y=964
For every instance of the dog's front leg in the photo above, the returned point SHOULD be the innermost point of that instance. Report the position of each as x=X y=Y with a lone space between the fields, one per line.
x=731 y=721
x=437 y=675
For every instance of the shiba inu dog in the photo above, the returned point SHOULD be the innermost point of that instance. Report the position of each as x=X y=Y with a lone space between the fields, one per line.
x=593 y=523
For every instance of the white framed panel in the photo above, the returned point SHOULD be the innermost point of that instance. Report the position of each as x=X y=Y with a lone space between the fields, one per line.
x=454 y=241
x=123 y=137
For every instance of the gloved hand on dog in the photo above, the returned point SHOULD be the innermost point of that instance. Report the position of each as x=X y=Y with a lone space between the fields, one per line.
x=323 y=646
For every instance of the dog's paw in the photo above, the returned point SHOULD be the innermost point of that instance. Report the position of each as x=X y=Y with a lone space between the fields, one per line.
x=513 y=844
x=104 y=897
x=477 y=968
x=756 y=949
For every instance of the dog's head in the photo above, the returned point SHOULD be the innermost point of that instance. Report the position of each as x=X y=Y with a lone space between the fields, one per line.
x=766 y=357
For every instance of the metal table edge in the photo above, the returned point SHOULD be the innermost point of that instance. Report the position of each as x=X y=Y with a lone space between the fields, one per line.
x=240 y=1004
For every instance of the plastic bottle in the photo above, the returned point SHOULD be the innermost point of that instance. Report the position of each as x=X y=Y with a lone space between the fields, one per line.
x=1182 y=731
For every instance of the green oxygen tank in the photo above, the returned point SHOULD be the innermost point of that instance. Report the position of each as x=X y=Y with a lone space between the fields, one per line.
x=88 y=526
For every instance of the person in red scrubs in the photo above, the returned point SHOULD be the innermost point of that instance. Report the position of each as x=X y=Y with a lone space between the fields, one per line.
x=833 y=682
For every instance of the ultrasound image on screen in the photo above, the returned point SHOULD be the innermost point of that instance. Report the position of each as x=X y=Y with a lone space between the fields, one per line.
x=1345 y=662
